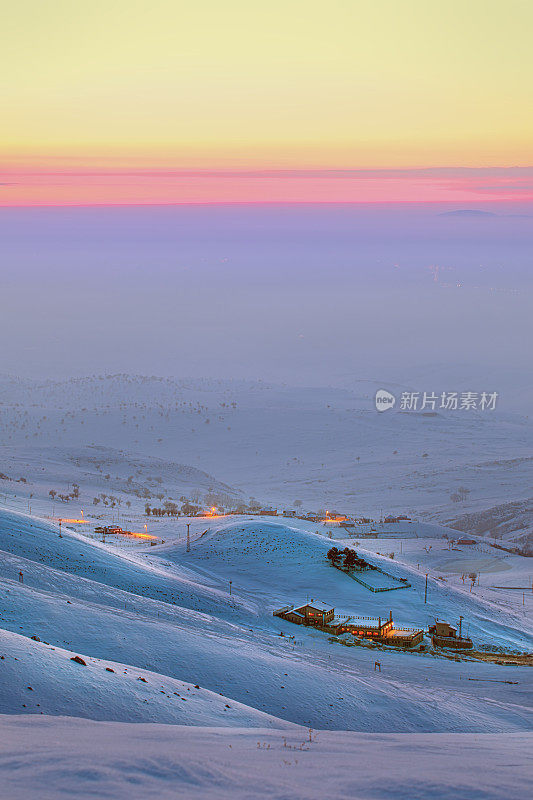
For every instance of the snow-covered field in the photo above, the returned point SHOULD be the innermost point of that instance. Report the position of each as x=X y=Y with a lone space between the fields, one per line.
x=328 y=448
x=50 y=758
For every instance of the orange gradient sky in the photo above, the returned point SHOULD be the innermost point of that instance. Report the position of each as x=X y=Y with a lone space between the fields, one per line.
x=170 y=101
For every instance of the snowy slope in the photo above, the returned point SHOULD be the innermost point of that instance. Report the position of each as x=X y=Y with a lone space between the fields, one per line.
x=43 y=679
x=507 y=521
x=38 y=542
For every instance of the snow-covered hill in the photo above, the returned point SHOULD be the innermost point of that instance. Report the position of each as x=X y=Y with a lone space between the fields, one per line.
x=508 y=521
x=170 y=613
x=287 y=564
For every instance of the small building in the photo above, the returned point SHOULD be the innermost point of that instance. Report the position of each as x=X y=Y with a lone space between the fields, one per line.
x=466 y=541
x=365 y=627
x=445 y=635
x=312 y=613
x=443 y=629
x=317 y=613
x=334 y=516
x=404 y=637
x=289 y=512
x=108 y=530
x=293 y=615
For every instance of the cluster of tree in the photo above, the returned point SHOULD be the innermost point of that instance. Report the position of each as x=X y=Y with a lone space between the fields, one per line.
x=349 y=558
x=142 y=492
x=226 y=502
x=170 y=509
x=247 y=508
x=65 y=498
x=109 y=500
x=4 y=477
x=160 y=512
x=218 y=499
x=460 y=495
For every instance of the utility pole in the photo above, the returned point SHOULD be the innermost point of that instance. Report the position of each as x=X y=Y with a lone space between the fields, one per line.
x=426 y=591
x=188 y=538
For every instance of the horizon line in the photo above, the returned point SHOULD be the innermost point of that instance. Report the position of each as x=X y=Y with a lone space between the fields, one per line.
x=464 y=204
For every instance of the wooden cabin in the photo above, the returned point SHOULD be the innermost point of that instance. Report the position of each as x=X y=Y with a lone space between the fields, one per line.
x=312 y=613
x=376 y=629
x=365 y=627
x=445 y=635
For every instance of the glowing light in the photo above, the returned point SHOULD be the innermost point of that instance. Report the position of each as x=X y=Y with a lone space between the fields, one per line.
x=213 y=512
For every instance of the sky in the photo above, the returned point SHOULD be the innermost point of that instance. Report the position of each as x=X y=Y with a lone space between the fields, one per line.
x=128 y=102
x=298 y=190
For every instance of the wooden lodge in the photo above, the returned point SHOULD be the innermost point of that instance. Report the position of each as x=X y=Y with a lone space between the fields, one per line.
x=365 y=627
x=445 y=635
x=376 y=629
x=317 y=614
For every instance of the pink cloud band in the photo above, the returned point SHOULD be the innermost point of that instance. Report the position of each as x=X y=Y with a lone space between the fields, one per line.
x=71 y=185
